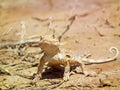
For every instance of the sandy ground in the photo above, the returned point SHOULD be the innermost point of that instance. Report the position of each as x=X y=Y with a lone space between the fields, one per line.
x=95 y=30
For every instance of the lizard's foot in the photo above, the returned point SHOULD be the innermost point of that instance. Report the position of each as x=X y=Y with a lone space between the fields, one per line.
x=66 y=76
x=90 y=73
x=34 y=81
x=86 y=73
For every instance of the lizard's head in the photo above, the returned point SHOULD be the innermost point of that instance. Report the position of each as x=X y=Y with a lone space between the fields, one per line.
x=49 y=44
x=50 y=39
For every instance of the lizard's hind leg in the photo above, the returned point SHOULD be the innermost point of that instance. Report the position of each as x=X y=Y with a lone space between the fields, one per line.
x=67 y=71
x=82 y=66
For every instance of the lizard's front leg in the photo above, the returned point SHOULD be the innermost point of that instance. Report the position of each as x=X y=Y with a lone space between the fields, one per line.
x=67 y=71
x=40 y=69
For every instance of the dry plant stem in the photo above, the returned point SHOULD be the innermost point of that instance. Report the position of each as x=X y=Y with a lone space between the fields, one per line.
x=18 y=42
x=6 y=33
x=24 y=76
x=4 y=71
x=33 y=36
x=40 y=19
x=71 y=19
x=22 y=63
x=47 y=87
x=50 y=27
x=14 y=64
x=23 y=29
x=45 y=19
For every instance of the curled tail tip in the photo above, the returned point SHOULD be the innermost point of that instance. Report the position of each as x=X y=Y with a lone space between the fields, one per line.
x=113 y=48
x=116 y=51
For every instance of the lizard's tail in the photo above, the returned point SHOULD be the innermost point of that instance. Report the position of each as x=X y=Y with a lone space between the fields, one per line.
x=92 y=61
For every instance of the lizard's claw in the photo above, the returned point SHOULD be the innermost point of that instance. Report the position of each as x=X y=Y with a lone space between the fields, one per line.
x=86 y=73
x=66 y=77
x=34 y=81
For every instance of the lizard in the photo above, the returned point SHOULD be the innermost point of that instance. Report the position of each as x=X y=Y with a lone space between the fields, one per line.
x=56 y=57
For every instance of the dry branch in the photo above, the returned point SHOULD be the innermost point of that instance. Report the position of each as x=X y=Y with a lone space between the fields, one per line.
x=40 y=19
x=71 y=19
x=4 y=71
x=18 y=42
x=6 y=33
x=45 y=19
x=49 y=87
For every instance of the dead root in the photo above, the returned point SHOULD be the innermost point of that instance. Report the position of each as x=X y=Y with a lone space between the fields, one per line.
x=4 y=71
x=53 y=85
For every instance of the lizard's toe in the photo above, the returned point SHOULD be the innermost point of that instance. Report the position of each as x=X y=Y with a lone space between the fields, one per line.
x=90 y=73
x=86 y=73
x=35 y=80
x=66 y=77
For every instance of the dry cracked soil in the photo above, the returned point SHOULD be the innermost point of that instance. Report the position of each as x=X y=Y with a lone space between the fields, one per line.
x=95 y=29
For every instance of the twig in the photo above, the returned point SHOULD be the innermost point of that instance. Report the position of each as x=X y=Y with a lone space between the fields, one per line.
x=13 y=64
x=33 y=36
x=47 y=87
x=71 y=19
x=40 y=19
x=23 y=30
x=24 y=76
x=17 y=42
x=11 y=50
x=50 y=27
x=27 y=66
x=4 y=71
x=6 y=33
x=45 y=19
